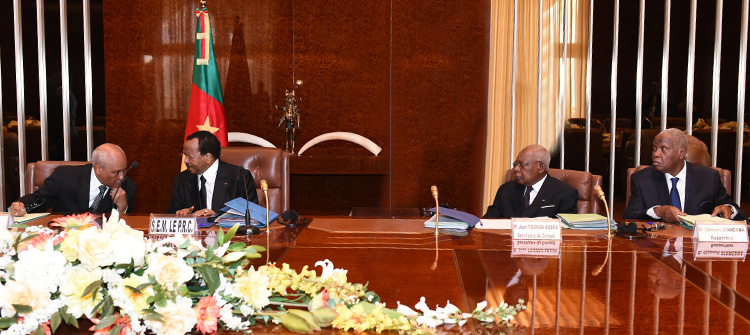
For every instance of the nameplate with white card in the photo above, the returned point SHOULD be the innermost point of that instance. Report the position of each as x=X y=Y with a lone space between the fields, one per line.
x=6 y=220
x=725 y=231
x=535 y=229
x=720 y=250
x=165 y=224
x=535 y=248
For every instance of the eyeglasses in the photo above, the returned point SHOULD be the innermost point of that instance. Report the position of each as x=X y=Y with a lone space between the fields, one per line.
x=524 y=165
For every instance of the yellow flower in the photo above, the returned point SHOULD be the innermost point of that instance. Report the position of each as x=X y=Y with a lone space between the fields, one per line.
x=178 y=317
x=95 y=248
x=138 y=299
x=69 y=244
x=252 y=288
x=22 y=293
x=75 y=283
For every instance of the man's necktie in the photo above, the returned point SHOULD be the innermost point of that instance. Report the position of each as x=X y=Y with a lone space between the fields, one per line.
x=675 y=195
x=203 y=193
x=527 y=196
x=95 y=205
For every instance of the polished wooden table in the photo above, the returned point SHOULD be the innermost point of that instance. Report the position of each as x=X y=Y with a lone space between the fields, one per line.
x=643 y=288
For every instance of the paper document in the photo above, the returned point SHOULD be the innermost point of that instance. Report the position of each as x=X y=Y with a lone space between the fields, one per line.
x=688 y=221
x=29 y=217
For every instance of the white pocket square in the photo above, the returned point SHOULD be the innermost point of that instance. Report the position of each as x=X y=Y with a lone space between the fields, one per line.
x=548 y=206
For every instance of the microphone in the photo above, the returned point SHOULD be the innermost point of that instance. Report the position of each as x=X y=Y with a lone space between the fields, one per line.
x=434 y=191
x=134 y=164
x=249 y=228
x=264 y=187
x=600 y=193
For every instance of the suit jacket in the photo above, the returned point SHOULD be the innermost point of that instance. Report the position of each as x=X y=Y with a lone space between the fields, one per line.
x=66 y=190
x=231 y=182
x=703 y=192
x=553 y=197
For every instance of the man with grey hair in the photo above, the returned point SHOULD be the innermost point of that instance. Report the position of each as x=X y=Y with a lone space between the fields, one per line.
x=73 y=189
x=672 y=187
x=534 y=192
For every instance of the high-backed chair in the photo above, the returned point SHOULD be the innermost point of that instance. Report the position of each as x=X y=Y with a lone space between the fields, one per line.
x=37 y=173
x=582 y=181
x=271 y=164
x=725 y=175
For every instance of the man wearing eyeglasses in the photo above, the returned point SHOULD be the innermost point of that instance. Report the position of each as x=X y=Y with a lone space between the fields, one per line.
x=534 y=192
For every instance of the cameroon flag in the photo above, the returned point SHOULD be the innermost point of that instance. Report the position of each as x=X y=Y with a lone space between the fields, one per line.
x=206 y=100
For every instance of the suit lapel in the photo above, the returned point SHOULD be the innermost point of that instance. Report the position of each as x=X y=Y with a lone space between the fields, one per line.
x=517 y=200
x=690 y=189
x=84 y=183
x=542 y=195
x=220 y=187
x=660 y=181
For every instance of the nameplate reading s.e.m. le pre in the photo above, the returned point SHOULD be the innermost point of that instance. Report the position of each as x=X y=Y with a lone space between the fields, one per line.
x=166 y=224
x=536 y=248
x=535 y=229
x=707 y=231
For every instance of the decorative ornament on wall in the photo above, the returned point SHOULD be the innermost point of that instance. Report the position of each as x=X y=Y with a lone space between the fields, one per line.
x=291 y=118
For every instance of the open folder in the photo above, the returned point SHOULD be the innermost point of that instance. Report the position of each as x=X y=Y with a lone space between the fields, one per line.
x=235 y=213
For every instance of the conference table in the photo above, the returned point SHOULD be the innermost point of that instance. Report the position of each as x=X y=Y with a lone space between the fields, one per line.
x=590 y=284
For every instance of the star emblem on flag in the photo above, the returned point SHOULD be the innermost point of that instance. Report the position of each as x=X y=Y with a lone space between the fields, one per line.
x=207 y=126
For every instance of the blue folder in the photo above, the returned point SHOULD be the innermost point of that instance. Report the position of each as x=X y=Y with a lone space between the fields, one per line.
x=257 y=213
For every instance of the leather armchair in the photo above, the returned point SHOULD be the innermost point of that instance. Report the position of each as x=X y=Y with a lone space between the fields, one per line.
x=271 y=164
x=725 y=175
x=583 y=181
x=37 y=173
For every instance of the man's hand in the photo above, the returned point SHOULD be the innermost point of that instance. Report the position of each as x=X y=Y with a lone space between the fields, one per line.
x=723 y=211
x=120 y=200
x=185 y=211
x=204 y=212
x=17 y=209
x=668 y=213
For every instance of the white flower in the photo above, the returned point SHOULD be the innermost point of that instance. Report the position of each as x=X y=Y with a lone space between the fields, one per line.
x=178 y=317
x=246 y=310
x=43 y=269
x=22 y=293
x=95 y=248
x=429 y=321
x=252 y=288
x=405 y=310
x=130 y=243
x=5 y=235
x=422 y=306
x=169 y=271
x=481 y=306
x=230 y=321
x=219 y=252
x=337 y=275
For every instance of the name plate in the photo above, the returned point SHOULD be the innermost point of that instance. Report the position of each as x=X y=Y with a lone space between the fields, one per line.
x=6 y=220
x=707 y=231
x=165 y=224
x=536 y=248
x=720 y=250
x=535 y=229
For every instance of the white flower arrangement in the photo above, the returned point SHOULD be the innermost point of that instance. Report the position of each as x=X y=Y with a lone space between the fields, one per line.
x=127 y=284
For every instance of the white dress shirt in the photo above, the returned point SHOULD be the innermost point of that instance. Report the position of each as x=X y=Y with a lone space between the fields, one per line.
x=210 y=175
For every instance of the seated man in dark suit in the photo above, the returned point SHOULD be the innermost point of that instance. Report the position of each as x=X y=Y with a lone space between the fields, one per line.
x=76 y=189
x=672 y=187
x=208 y=183
x=534 y=192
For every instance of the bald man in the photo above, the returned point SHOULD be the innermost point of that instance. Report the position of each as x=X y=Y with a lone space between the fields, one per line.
x=672 y=187
x=534 y=192
x=74 y=189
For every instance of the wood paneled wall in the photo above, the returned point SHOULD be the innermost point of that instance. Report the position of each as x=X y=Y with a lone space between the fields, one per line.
x=409 y=75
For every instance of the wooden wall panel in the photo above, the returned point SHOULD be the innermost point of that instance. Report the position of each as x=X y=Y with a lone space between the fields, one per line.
x=412 y=77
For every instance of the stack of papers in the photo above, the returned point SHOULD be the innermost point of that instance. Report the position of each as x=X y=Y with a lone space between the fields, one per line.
x=584 y=221
x=235 y=213
x=446 y=222
x=688 y=221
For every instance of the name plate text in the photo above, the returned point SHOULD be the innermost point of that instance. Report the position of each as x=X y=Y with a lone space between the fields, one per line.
x=706 y=231
x=163 y=224
x=535 y=229
x=536 y=248
x=6 y=220
x=720 y=250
